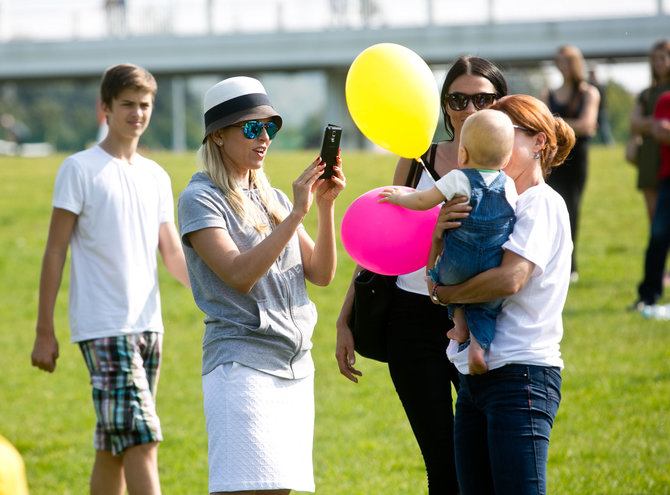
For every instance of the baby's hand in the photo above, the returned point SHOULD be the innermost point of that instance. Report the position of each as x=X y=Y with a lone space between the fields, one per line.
x=390 y=195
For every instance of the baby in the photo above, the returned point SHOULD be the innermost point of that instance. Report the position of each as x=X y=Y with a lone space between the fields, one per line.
x=487 y=139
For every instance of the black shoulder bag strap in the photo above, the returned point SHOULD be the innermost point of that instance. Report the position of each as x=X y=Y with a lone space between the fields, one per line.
x=414 y=175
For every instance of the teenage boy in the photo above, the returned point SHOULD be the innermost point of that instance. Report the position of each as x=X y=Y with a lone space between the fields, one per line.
x=115 y=208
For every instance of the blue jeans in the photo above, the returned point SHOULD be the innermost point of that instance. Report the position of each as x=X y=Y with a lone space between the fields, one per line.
x=651 y=288
x=502 y=427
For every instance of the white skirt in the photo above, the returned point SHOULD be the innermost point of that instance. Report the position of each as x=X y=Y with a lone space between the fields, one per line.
x=260 y=430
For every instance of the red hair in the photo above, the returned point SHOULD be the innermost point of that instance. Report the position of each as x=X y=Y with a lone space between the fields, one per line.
x=532 y=114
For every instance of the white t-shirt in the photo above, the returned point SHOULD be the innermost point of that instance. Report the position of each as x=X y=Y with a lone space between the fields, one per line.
x=530 y=326
x=456 y=183
x=414 y=281
x=113 y=267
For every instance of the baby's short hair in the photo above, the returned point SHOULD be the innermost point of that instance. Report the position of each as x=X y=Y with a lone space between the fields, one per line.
x=488 y=136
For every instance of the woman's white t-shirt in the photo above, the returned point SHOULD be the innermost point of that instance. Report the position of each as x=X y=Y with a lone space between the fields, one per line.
x=530 y=326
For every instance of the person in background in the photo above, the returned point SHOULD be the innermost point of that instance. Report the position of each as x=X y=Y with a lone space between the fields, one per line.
x=417 y=340
x=116 y=18
x=647 y=158
x=577 y=102
x=650 y=289
x=504 y=417
x=249 y=257
x=115 y=208
x=14 y=131
x=641 y=124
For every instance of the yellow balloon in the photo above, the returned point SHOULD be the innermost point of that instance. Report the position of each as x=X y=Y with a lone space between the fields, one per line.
x=393 y=99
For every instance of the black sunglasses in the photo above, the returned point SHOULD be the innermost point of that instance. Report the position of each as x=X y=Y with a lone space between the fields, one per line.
x=254 y=128
x=459 y=101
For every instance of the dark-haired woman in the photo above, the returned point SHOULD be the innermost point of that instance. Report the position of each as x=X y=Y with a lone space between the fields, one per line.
x=417 y=340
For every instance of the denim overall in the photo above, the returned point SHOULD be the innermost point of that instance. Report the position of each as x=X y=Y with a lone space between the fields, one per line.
x=476 y=246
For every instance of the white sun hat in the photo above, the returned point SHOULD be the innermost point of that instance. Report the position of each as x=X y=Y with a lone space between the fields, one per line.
x=234 y=100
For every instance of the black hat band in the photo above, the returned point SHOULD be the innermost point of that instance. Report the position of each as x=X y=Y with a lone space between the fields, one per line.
x=234 y=105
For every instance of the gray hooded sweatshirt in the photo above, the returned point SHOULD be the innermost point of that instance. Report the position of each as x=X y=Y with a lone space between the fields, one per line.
x=268 y=329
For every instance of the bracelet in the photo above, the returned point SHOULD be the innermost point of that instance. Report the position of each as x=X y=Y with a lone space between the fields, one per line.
x=433 y=295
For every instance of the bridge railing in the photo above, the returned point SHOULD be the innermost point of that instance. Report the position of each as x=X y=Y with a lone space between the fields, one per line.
x=45 y=20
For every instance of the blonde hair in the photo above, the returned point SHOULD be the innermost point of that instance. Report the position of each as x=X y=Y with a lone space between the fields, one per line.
x=488 y=137
x=250 y=212
x=534 y=115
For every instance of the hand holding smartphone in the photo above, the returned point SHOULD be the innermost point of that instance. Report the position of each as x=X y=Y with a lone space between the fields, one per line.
x=330 y=147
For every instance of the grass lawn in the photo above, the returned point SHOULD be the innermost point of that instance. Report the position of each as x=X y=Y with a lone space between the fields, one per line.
x=610 y=436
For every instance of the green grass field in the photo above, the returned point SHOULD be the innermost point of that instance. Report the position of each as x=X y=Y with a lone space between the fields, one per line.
x=611 y=435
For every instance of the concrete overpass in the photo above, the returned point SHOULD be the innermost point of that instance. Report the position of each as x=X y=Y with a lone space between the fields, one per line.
x=332 y=51
x=508 y=44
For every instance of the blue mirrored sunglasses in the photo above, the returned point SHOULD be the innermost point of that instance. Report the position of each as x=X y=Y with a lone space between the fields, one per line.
x=254 y=128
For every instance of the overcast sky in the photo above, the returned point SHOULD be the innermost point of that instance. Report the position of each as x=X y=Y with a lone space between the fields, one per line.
x=81 y=19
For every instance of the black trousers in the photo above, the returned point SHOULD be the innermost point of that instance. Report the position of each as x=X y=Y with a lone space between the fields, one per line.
x=651 y=288
x=422 y=376
x=569 y=180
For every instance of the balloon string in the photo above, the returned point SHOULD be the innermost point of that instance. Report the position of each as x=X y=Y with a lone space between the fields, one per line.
x=425 y=168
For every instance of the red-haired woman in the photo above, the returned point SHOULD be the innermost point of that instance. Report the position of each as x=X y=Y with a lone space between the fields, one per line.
x=504 y=417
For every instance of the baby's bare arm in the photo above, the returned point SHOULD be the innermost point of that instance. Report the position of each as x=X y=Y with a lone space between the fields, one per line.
x=413 y=200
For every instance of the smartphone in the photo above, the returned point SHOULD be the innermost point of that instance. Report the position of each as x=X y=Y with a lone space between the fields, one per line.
x=329 y=148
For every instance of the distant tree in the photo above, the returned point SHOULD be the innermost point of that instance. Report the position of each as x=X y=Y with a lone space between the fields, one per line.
x=61 y=113
x=620 y=103
x=312 y=130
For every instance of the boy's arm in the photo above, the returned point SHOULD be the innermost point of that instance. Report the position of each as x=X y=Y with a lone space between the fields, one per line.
x=45 y=349
x=416 y=200
x=172 y=253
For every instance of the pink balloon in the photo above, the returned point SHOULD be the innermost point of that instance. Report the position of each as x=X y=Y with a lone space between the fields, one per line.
x=386 y=238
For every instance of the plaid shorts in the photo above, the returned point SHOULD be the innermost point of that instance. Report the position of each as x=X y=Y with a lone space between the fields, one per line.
x=124 y=374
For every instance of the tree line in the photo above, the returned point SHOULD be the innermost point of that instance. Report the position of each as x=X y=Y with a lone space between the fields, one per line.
x=64 y=114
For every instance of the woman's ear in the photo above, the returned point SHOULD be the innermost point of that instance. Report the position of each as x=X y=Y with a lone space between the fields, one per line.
x=217 y=136
x=540 y=140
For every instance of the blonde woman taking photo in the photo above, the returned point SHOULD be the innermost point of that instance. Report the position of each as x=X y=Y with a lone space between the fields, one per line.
x=248 y=258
